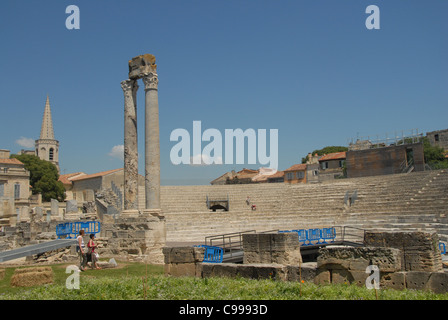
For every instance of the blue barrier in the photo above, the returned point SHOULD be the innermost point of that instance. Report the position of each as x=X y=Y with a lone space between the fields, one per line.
x=71 y=229
x=442 y=248
x=303 y=235
x=307 y=237
x=328 y=234
x=313 y=235
x=212 y=254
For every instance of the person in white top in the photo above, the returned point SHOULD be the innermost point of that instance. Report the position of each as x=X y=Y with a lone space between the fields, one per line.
x=82 y=252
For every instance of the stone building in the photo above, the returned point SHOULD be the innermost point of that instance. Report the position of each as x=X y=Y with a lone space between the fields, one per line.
x=295 y=174
x=85 y=186
x=331 y=165
x=387 y=160
x=47 y=147
x=438 y=138
x=14 y=188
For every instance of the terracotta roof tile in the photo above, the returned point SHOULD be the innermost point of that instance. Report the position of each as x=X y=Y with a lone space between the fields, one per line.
x=297 y=167
x=66 y=178
x=95 y=175
x=10 y=161
x=333 y=156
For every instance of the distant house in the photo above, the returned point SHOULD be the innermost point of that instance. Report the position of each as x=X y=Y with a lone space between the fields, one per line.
x=438 y=138
x=332 y=165
x=66 y=180
x=14 y=188
x=386 y=160
x=295 y=174
x=269 y=176
x=85 y=186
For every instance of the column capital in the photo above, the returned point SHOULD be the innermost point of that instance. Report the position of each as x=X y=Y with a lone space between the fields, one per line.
x=129 y=85
x=151 y=81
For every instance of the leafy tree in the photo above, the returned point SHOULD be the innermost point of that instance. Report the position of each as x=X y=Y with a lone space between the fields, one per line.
x=326 y=150
x=43 y=177
x=434 y=155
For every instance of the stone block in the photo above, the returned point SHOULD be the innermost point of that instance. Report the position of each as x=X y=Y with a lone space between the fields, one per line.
x=323 y=276
x=72 y=206
x=358 y=259
x=250 y=271
x=438 y=282
x=181 y=269
x=183 y=254
x=306 y=272
x=277 y=248
x=142 y=65
x=417 y=279
x=419 y=250
x=393 y=280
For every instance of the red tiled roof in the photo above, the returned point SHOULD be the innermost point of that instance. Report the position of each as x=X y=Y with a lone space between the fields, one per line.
x=65 y=178
x=297 y=167
x=246 y=173
x=11 y=161
x=333 y=156
x=95 y=175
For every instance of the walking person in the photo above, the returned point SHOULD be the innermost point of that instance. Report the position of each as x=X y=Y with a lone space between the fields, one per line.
x=81 y=250
x=94 y=256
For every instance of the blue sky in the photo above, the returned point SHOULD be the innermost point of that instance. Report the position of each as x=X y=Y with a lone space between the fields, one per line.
x=310 y=69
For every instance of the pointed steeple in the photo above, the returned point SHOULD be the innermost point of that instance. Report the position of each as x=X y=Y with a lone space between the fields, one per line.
x=47 y=147
x=46 y=131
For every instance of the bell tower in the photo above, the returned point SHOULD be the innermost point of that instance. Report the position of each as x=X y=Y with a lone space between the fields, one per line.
x=47 y=148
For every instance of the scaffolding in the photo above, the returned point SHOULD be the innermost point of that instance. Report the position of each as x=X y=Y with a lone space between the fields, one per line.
x=387 y=140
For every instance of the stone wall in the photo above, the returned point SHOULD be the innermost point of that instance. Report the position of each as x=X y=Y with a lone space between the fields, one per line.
x=419 y=250
x=183 y=261
x=381 y=161
x=279 y=248
x=136 y=238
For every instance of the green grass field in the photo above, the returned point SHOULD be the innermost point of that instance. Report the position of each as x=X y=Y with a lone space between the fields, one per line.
x=137 y=281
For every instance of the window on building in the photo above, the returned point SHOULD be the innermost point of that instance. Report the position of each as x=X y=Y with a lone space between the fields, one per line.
x=315 y=172
x=324 y=165
x=436 y=137
x=290 y=175
x=17 y=191
x=2 y=189
x=300 y=175
x=341 y=163
x=51 y=154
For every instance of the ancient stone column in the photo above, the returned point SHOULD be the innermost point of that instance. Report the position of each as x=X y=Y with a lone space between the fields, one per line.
x=152 y=143
x=130 y=88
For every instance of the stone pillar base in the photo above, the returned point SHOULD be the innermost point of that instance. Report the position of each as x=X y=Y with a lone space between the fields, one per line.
x=130 y=213
x=152 y=212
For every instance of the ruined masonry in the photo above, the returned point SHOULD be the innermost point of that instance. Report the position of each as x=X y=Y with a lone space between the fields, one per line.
x=140 y=232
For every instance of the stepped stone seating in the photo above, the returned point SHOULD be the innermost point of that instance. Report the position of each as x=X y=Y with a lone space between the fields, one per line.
x=417 y=200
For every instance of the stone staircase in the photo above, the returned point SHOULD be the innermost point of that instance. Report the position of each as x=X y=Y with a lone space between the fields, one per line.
x=414 y=200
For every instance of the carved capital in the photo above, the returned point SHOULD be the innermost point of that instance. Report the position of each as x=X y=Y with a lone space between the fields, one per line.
x=151 y=81
x=129 y=86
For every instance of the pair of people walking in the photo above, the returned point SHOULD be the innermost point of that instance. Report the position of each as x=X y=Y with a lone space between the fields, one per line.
x=87 y=256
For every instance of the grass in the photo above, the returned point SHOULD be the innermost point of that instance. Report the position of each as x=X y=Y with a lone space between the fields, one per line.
x=137 y=281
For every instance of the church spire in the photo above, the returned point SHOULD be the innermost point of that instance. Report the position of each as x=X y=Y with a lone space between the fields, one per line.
x=46 y=132
x=47 y=147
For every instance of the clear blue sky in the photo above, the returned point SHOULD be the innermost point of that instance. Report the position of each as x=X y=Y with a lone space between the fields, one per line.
x=310 y=69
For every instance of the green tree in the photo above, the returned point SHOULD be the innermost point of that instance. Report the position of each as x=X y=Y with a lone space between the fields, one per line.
x=43 y=177
x=434 y=155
